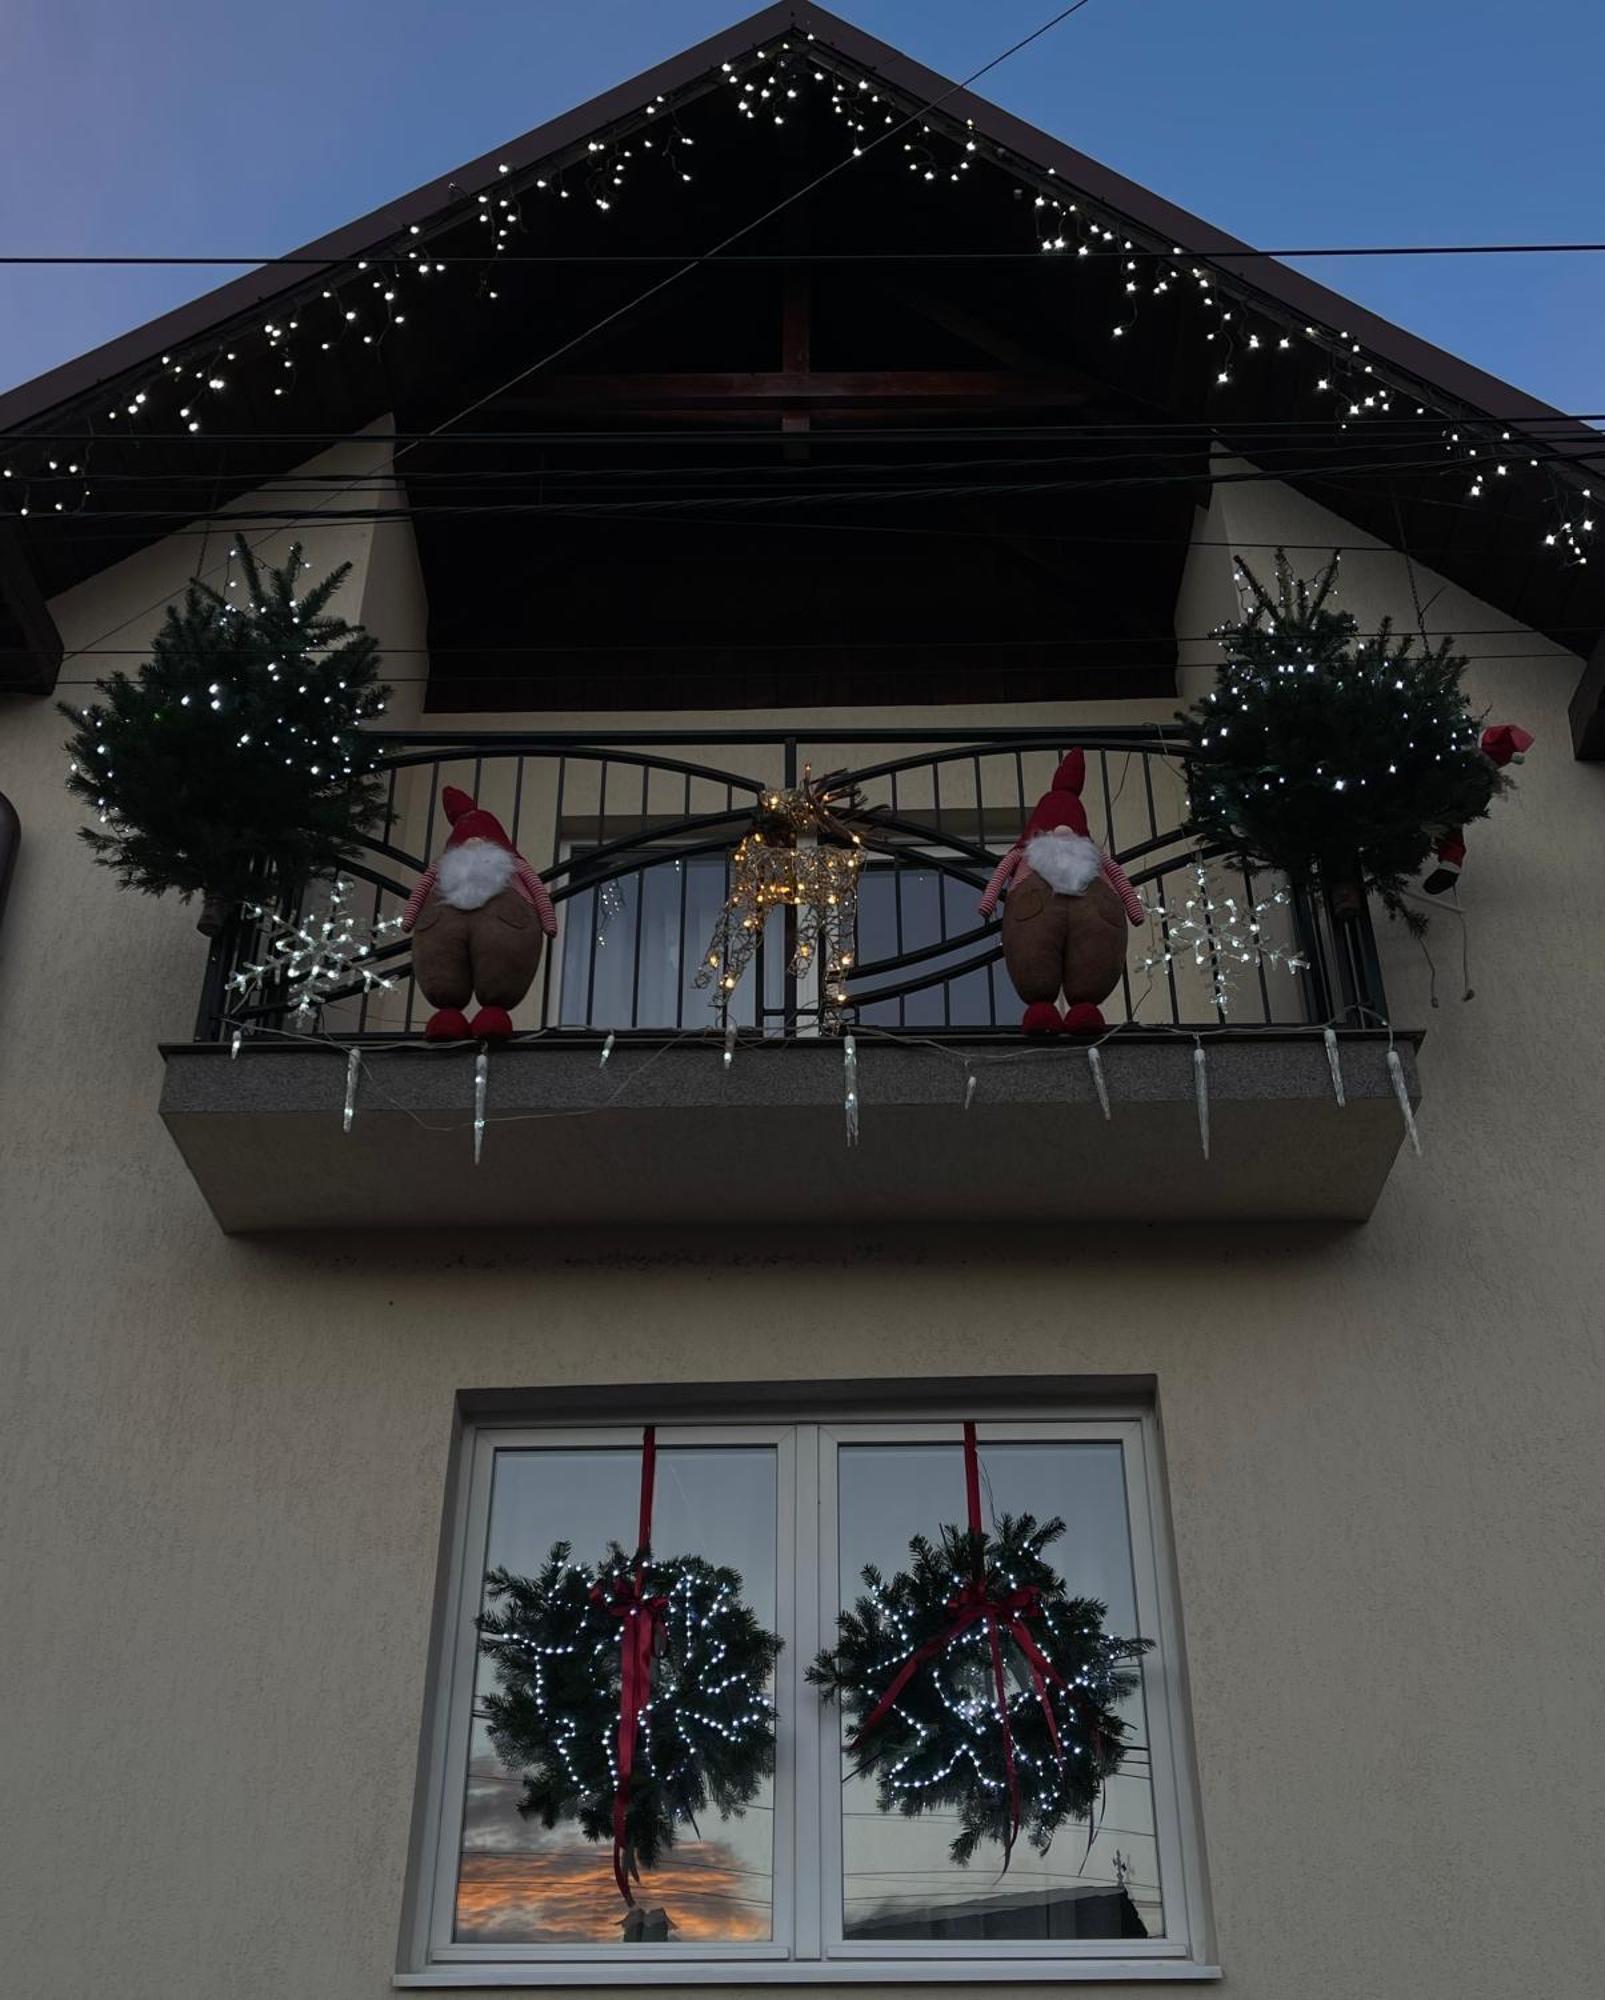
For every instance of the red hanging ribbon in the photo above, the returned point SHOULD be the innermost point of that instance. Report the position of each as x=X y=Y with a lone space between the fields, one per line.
x=1005 y=1612
x=642 y=1618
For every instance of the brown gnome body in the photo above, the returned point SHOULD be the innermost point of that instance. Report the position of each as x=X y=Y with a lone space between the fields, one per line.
x=478 y=918
x=1067 y=912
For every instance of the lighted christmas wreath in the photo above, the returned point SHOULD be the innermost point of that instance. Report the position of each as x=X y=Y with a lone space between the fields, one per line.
x=1330 y=754
x=978 y=1686
x=631 y=1697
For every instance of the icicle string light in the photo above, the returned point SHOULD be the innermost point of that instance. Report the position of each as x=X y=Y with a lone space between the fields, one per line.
x=850 y=1087
x=481 y=1078
x=353 y=1071
x=1334 y=1063
x=1401 y=1091
x=1201 y=1093
x=1099 y=1082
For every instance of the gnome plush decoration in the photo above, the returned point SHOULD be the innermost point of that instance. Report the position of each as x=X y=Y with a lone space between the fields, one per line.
x=1064 y=923
x=478 y=918
x=1503 y=744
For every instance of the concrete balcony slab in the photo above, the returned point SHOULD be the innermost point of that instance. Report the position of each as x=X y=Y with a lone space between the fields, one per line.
x=666 y=1133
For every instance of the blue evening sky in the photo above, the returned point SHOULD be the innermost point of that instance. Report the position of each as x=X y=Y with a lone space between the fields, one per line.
x=195 y=126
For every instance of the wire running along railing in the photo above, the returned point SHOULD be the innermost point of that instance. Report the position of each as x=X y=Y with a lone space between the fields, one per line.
x=633 y=832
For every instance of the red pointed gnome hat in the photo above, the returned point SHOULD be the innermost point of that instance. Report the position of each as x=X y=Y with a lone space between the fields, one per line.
x=471 y=822
x=1506 y=743
x=1061 y=804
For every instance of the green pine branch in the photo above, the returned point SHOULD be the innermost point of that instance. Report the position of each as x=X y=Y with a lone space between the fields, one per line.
x=236 y=752
x=1331 y=756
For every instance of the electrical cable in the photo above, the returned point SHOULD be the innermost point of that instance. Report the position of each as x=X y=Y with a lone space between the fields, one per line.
x=24 y=258
x=663 y=284
x=288 y=517
x=1181 y=426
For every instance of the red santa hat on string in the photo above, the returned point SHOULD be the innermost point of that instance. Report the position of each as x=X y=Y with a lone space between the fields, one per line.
x=1061 y=804
x=470 y=821
x=1505 y=744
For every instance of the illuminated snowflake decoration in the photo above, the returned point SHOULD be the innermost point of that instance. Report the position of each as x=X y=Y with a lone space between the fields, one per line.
x=317 y=958
x=1220 y=935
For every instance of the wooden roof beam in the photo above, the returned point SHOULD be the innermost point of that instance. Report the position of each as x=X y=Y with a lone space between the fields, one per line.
x=817 y=389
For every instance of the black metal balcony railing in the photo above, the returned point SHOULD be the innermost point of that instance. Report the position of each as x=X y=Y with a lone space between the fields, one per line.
x=632 y=832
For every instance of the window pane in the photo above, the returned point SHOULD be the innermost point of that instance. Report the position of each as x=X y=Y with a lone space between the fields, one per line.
x=899 y=1881
x=520 y=1884
x=910 y=907
x=631 y=951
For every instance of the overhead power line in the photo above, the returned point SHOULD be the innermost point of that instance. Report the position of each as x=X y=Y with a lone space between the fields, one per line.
x=1228 y=430
x=297 y=259
x=657 y=504
x=662 y=284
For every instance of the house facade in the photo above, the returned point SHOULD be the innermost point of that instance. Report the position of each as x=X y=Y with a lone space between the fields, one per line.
x=790 y=416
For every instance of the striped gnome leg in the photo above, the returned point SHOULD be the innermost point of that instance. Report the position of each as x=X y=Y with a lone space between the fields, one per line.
x=1033 y=950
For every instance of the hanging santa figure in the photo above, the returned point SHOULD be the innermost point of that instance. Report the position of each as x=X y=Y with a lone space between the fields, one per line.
x=1502 y=745
x=1065 y=918
x=478 y=919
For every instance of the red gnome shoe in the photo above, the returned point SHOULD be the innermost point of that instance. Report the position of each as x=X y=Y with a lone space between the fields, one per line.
x=491 y=1024
x=449 y=1024
x=1083 y=1019
x=1040 y=1018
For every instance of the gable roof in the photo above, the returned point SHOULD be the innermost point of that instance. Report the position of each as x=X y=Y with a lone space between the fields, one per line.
x=67 y=396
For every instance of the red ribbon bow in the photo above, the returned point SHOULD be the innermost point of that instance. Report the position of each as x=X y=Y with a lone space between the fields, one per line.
x=642 y=1619
x=982 y=1601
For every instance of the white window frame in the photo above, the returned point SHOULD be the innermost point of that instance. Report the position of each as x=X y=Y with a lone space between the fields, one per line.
x=806 y=1945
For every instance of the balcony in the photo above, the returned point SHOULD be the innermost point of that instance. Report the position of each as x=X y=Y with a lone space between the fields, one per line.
x=627 y=1094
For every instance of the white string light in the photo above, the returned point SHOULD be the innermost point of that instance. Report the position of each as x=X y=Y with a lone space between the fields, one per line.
x=940 y=154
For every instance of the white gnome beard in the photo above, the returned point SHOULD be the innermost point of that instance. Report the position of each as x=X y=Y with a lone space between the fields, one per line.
x=1068 y=862
x=468 y=876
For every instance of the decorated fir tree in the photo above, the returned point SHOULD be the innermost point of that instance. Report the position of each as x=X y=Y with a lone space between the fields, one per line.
x=235 y=752
x=1331 y=755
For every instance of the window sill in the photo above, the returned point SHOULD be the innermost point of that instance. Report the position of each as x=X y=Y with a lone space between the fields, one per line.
x=812 y=1972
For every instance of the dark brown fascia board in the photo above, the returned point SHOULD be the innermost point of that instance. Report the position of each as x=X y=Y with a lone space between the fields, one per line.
x=32 y=667
x=1457 y=380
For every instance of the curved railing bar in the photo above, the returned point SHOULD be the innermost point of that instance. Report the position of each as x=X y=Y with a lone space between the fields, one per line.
x=668 y=827
x=920 y=985
x=585 y=752
x=968 y=752
x=898 y=835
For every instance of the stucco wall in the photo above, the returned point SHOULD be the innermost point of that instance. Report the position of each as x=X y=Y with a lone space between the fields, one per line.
x=223 y=1460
